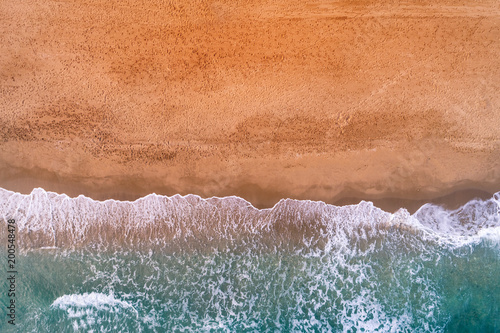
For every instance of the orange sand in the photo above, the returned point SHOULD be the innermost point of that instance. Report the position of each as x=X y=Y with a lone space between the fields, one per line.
x=264 y=99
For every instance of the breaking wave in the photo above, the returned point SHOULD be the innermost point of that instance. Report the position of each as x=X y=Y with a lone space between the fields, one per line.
x=184 y=263
x=50 y=220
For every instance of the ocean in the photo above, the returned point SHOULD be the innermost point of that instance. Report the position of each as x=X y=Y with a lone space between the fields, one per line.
x=187 y=264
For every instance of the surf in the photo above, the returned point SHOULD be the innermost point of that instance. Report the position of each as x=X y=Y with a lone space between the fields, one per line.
x=185 y=263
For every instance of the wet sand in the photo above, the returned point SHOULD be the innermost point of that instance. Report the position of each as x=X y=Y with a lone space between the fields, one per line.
x=320 y=100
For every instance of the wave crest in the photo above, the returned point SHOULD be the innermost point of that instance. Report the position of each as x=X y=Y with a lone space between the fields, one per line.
x=50 y=220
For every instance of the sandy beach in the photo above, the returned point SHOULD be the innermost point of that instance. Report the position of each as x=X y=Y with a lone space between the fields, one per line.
x=319 y=100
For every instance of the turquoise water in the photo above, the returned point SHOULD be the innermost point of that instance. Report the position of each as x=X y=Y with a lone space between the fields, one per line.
x=184 y=264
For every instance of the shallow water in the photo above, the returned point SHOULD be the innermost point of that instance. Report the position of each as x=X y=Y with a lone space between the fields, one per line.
x=163 y=264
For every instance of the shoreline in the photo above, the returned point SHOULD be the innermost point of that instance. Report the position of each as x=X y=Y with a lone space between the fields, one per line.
x=451 y=198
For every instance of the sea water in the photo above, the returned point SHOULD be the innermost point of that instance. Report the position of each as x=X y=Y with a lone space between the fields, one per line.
x=184 y=264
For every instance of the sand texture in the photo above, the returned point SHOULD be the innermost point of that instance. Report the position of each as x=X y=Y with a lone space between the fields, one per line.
x=263 y=99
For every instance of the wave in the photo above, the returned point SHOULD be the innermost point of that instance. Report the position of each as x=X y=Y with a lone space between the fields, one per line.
x=93 y=300
x=47 y=220
x=226 y=266
x=86 y=310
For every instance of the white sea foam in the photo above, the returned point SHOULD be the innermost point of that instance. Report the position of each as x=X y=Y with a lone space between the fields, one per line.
x=75 y=304
x=89 y=310
x=299 y=266
x=50 y=220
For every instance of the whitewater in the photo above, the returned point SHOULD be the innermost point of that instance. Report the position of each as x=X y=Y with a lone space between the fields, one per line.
x=184 y=263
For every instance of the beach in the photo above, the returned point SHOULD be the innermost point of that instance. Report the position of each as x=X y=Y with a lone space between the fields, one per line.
x=250 y=166
x=260 y=99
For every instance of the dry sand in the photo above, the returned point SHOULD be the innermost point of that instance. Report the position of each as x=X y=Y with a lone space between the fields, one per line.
x=321 y=100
